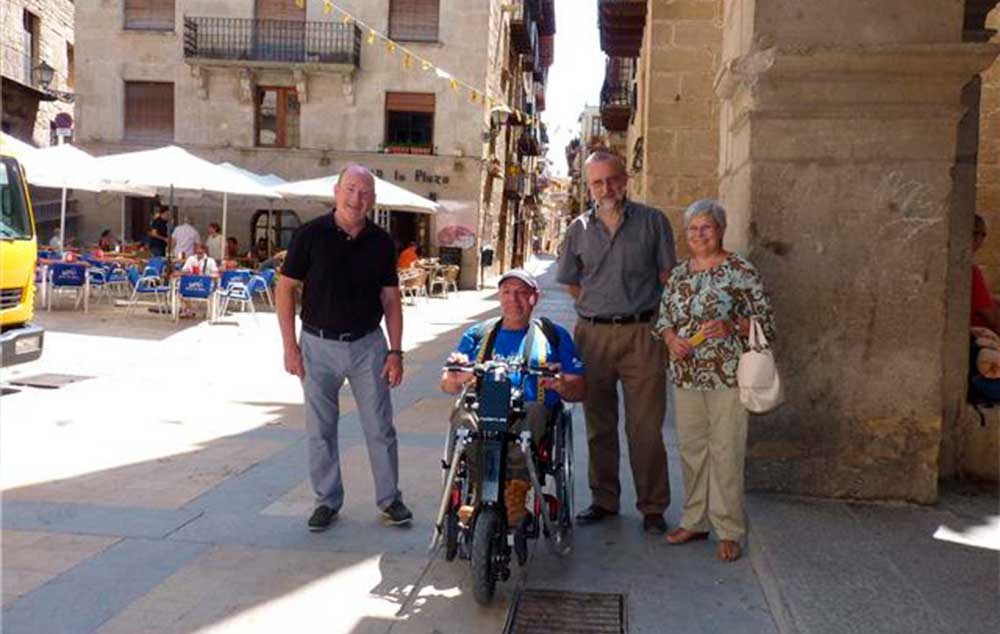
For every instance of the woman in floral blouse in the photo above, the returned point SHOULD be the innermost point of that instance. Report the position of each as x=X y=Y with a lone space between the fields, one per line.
x=704 y=321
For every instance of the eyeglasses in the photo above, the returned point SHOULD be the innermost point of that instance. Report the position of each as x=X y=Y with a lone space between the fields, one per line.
x=704 y=229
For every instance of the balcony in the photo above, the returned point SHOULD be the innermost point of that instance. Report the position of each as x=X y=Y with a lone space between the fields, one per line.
x=622 y=23
x=523 y=25
x=616 y=94
x=272 y=43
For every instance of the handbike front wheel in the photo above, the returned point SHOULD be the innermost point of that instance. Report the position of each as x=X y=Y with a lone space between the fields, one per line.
x=484 y=542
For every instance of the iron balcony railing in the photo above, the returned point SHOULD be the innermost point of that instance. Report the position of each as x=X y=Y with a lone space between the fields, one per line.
x=289 y=41
x=617 y=93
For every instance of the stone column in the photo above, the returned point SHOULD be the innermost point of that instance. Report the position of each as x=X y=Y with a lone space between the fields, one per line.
x=838 y=144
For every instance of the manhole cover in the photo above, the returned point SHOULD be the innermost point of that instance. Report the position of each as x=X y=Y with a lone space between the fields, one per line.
x=553 y=612
x=49 y=381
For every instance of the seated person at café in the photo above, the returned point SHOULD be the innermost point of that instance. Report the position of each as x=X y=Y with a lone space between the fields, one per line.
x=260 y=251
x=198 y=263
x=274 y=262
x=232 y=247
x=408 y=256
x=984 y=320
x=107 y=241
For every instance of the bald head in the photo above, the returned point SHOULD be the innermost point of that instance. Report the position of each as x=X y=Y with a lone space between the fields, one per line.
x=354 y=194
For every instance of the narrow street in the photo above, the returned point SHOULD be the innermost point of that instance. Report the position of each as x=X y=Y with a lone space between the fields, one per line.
x=168 y=494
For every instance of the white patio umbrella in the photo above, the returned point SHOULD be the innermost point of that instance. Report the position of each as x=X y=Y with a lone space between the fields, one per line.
x=68 y=167
x=387 y=195
x=266 y=180
x=173 y=167
x=15 y=147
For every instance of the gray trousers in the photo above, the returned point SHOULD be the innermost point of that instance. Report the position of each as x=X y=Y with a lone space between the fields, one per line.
x=327 y=364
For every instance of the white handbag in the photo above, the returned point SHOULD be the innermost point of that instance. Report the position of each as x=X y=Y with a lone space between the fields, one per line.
x=757 y=375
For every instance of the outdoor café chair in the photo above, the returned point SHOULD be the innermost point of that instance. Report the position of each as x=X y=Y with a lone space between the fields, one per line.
x=234 y=286
x=445 y=278
x=261 y=283
x=155 y=267
x=195 y=288
x=413 y=284
x=69 y=278
x=146 y=286
x=99 y=283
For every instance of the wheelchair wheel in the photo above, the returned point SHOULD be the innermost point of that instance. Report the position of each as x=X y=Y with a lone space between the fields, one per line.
x=563 y=458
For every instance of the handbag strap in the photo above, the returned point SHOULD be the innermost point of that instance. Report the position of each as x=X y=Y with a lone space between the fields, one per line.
x=757 y=339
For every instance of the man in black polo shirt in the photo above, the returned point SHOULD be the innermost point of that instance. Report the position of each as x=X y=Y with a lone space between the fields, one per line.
x=345 y=266
x=158 y=232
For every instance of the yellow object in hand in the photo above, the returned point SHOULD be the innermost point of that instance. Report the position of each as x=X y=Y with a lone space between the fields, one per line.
x=697 y=338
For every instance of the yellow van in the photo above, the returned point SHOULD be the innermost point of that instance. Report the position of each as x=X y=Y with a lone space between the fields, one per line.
x=20 y=340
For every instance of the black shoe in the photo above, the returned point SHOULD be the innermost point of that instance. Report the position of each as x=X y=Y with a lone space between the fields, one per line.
x=321 y=518
x=654 y=523
x=593 y=514
x=396 y=514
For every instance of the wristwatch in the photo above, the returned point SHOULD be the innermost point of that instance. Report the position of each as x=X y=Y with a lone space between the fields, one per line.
x=399 y=352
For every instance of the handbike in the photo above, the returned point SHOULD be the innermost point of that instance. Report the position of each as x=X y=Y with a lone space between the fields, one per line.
x=472 y=516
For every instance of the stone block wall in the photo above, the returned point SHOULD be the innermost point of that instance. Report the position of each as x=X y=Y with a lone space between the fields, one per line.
x=988 y=176
x=55 y=32
x=679 y=112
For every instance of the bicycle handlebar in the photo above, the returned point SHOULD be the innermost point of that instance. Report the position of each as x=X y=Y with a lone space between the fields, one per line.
x=479 y=369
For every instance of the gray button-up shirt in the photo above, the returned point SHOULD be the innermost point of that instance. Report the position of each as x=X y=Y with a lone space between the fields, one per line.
x=617 y=275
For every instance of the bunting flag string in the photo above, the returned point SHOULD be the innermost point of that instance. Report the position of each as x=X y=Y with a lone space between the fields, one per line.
x=409 y=58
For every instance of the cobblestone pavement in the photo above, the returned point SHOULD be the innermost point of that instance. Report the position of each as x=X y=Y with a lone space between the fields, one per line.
x=166 y=493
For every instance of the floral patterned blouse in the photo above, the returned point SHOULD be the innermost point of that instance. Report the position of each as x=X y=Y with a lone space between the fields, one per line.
x=729 y=290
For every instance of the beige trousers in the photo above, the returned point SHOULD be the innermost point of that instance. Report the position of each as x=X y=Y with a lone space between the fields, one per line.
x=629 y=354
x=712 y=431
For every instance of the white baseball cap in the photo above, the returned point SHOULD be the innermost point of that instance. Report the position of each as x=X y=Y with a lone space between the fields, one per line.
x=519 y=274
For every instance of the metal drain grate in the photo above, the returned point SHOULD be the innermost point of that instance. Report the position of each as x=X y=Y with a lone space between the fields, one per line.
x=49 y=381
x=554 y=612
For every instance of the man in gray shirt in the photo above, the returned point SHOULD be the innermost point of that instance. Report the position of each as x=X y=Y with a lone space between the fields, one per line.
x=615 y=259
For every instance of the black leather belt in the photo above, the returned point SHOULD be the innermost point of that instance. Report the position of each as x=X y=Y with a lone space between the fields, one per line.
x=333 y=336
x=621 y=320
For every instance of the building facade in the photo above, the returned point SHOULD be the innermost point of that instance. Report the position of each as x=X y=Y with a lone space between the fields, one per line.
x=291 y=88
x=37 y=65
x=846 y=140
x=522 y=35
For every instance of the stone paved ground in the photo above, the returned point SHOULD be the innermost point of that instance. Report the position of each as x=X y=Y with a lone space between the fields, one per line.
x=167 y=494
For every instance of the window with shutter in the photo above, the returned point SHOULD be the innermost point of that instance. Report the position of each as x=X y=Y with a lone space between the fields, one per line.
x=149 y=15
x=149 y=110
x=409 y=122
x=413 y=20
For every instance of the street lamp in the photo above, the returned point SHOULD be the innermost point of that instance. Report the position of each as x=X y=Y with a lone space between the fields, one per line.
x=44 y=74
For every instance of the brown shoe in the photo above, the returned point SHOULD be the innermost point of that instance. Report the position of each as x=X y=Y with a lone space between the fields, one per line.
x=728 y=550
x=683 y=536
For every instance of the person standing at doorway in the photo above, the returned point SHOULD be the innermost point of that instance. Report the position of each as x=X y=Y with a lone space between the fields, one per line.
x=158 y=233
x=345 y=267
x=614 y=261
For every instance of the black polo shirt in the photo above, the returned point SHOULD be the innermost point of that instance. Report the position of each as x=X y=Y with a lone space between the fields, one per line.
x=342 y=277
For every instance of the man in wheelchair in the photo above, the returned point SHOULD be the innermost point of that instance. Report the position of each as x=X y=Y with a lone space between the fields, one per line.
x=539 y=342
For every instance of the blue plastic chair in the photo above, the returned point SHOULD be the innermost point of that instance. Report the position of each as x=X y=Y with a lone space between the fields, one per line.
x=261 y=283
x=234 y=286
x=155 y=267
x=195 y=288
x=145 y=286
x=69 y=278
